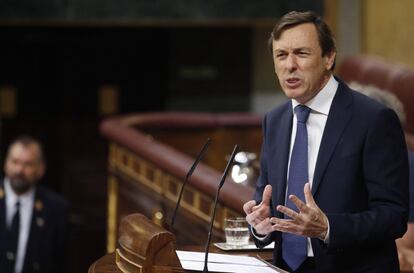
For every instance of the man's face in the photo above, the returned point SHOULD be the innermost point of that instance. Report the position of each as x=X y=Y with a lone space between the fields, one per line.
x=23 y=167
x=299 y=65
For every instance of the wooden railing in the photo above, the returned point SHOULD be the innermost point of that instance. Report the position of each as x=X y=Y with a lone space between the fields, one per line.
x=149 y=156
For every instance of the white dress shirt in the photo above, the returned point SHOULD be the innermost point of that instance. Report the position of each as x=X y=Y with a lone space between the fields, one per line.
x=26 y=210
x=315 y=125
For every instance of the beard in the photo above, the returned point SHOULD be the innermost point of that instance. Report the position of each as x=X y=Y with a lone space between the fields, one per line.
x=19 y=184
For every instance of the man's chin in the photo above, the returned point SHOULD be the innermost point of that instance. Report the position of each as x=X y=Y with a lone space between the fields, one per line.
x=296 y=95
x=20 y=187
x=292 y=93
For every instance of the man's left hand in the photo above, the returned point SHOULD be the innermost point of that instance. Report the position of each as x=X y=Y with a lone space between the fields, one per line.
x=310 y=221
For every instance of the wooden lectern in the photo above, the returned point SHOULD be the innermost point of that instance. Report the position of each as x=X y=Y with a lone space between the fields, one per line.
x=145 y=247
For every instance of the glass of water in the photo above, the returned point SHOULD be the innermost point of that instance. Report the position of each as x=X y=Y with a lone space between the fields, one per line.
x=236 y=231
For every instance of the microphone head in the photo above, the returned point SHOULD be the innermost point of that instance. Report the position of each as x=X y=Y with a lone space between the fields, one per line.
x=229 y=163
x=189 y=173
x=199 y=157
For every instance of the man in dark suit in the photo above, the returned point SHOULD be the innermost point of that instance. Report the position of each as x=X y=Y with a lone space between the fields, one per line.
x=33 y=220
x=405 y=245
x=333 y=189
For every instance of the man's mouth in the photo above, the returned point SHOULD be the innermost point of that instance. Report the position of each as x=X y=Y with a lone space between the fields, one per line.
x=293 y=82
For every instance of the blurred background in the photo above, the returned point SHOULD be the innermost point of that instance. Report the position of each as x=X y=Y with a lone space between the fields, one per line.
x=65 y=65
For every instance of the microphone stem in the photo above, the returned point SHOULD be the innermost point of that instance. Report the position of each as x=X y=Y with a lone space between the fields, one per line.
x=223 y=179
x=190 y=172
x=209 y=233
x=178 y=202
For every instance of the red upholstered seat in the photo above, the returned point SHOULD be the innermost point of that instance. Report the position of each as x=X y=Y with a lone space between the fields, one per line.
x=392 y=77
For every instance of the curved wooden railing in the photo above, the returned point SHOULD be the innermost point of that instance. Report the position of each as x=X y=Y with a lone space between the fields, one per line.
x=149 y=156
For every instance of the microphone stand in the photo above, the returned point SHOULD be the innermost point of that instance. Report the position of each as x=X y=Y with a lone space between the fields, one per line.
x=190 y=172
x=223 y=178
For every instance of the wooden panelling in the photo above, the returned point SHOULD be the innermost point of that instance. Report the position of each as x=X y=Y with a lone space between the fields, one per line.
x=108 y=100
x=112 y=213
x=387 y=29
x=8 y=101
x=331 y=8
x=134 y=179
x=249 y=140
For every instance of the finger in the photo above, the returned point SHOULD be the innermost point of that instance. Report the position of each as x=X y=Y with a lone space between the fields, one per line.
x=287 y=211
x=248 y=206
x=279 y=223
x=252 y=219
x=299 y=203
x=267 y=195
x=256 y=217
x=308 y=195
x=285 y=225
x=264 y=227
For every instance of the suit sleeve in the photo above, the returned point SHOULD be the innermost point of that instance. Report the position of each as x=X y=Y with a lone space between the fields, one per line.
x=260 y=185
x=61 y=240
x=262 y=180
x=384 y=172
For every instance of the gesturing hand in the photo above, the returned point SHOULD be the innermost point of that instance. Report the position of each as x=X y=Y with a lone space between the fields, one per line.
x=310 y=221
x=258 y=216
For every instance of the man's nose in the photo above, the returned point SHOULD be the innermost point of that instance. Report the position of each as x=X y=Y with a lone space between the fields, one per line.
x=18 y=168
x=291 y=62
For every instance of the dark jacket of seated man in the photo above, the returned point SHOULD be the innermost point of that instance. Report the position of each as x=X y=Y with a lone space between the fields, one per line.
x=33 y=220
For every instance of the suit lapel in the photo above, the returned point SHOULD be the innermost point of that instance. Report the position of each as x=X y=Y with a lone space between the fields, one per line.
x=281 y=157
x=36 y=229
x=2 y=211
x=339 y=116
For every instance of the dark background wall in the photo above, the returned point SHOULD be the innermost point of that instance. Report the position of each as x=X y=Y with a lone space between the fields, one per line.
x=159 y=9
x=157 y=55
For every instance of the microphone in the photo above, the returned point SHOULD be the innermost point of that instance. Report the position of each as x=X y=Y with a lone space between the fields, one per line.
x=223 y=178
x=190 y=172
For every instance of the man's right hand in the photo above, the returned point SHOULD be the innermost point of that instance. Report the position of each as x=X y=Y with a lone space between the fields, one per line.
x=258 y=216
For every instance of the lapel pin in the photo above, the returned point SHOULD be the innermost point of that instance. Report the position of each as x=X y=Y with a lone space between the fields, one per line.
x=40 y=222
x=39 y=205
x=10 y=256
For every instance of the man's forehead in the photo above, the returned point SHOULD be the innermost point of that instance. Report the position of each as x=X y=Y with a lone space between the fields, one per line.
x=19 y=148
x=302 y=35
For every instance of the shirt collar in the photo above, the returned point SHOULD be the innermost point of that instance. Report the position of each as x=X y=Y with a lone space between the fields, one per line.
x=12 y=197
x=322 y=102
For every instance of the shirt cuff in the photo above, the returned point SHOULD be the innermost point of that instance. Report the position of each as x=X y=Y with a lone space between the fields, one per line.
x=259 y=237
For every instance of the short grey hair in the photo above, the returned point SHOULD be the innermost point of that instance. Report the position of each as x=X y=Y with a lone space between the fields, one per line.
x=383 y=96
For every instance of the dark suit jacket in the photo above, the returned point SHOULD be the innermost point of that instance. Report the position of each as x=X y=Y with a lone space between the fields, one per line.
x=411 y=186
x=46 y=246
x=360 y=182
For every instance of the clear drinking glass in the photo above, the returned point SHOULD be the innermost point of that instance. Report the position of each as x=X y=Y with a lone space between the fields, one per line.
x=236 y=231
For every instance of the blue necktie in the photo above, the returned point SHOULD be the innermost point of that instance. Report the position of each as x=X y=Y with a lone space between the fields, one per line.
x=294 y=250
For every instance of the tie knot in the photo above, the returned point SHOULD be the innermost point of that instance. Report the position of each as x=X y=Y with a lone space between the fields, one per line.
x=302 y=113
x=17 y=205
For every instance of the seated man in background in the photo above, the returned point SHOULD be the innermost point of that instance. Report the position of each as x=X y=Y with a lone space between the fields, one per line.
x=33 y=220
x=405 y=244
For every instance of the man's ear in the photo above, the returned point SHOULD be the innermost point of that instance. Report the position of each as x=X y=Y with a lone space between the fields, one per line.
x=330 y=59
x=41 y=170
